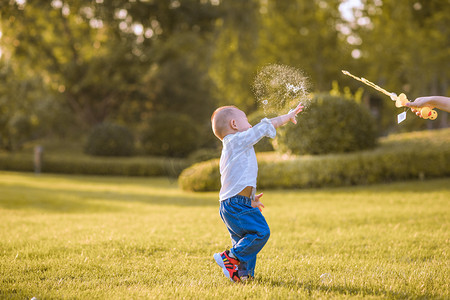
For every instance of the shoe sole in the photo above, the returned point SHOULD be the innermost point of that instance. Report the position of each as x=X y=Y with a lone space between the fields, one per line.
x=219 y=261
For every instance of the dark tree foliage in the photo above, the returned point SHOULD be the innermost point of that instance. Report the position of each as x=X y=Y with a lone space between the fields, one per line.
x=95 y=56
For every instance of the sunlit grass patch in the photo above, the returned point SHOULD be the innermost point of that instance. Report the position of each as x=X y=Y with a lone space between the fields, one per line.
x=114 y=237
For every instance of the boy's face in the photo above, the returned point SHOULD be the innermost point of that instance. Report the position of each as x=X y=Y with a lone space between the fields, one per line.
x=240 y=121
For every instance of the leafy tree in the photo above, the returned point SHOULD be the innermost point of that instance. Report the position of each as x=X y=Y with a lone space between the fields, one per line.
x=93 y=54
x=170 y=134
x=18 y=116
x=404 y=48
x=109 y=139
x=235 y=61
x=78 y=59
x=128 y=61
x=304 y=34
x=182 y=88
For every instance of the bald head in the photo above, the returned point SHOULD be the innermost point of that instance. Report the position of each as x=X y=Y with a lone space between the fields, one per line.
x=221 y=118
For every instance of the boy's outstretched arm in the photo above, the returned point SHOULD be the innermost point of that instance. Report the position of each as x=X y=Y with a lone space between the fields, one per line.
x=282 y=120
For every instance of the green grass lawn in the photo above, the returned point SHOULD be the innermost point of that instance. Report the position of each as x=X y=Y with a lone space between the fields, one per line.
x=134 y=238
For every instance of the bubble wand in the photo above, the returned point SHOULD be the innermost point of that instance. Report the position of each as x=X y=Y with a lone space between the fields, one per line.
x=400 y=100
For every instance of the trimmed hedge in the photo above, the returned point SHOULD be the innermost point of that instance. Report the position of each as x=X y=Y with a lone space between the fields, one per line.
x=73 y=164
x=201 y=177
x=407 y=156
x=329 y=124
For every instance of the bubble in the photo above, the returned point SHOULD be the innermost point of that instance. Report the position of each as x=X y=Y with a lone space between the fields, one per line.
x=293 y=88
x=326 y=278
x=279 y=88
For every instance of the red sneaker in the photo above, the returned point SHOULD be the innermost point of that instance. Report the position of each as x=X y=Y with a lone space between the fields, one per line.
x=229 y=265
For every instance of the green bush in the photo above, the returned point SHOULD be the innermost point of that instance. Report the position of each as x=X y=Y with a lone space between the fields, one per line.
x=110 y=140
x=203 y=155
x=265 y=144
x=170 y=134
x=204 y=176
x=329 y=124
x=401 y=157
x=355 y=169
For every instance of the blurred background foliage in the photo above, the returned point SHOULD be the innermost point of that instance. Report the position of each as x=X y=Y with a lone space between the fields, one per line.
x=329 y=124
x=68 y=66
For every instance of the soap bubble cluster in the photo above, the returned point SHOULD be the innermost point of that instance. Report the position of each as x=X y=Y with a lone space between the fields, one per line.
x=279 y=88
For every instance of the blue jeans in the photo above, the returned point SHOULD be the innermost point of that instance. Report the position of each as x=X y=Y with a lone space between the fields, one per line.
x=248 y=229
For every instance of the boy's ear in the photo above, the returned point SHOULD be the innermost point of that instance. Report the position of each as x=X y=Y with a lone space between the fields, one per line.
x=233 y=124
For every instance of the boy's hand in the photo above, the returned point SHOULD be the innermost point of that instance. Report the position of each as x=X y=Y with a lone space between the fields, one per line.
x=294 y=112
x=257 y=203
x=290 y=116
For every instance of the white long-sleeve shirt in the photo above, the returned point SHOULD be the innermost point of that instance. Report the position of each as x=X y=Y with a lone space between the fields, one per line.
x=238 y=165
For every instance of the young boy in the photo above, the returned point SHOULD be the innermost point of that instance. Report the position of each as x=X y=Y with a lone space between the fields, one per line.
x=240 y=208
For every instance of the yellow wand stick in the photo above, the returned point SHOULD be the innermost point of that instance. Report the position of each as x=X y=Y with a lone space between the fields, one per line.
x=400 y=101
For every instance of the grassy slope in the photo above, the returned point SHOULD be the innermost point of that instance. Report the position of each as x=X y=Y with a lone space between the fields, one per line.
x=112 y=237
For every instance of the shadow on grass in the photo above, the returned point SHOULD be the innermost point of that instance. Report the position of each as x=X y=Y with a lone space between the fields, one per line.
x=347 y=290
x=94 y=194
x=16 y=197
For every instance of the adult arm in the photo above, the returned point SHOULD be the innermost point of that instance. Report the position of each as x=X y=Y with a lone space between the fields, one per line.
x=440 y=102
